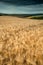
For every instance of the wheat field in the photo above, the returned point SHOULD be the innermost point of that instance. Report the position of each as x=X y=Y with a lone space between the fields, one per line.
x=21 y=41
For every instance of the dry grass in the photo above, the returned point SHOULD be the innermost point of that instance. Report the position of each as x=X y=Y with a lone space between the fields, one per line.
x=21 y=41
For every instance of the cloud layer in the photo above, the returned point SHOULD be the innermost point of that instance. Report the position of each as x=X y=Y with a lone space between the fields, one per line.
x=23 y=2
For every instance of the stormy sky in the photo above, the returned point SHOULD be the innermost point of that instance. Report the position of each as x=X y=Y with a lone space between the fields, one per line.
x=21 y=6
x=23 y=2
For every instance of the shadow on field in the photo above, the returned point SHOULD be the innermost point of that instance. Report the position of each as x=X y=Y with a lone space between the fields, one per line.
x=38 y=18
x=28 y=16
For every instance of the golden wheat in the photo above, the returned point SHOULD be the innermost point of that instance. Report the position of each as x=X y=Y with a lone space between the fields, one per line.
x=21 y=43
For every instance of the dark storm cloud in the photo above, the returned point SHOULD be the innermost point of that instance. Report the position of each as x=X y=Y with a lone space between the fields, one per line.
x=23 y=2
